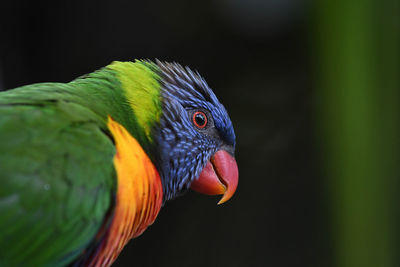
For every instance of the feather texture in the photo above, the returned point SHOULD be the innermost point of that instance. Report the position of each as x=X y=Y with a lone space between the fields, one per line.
x=139 y=195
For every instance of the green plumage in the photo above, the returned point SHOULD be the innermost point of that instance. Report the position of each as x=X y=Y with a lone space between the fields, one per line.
x=57 y=179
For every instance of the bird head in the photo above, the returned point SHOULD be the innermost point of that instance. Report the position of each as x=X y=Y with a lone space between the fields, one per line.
x=195 y=137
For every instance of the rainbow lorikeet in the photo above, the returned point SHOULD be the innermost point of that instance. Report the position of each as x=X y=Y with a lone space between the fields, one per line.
x=85 y=166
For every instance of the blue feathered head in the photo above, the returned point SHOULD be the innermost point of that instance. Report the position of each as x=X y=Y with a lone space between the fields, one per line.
x=194 y=126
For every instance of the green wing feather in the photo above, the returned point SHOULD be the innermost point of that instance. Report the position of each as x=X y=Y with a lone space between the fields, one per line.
x=57 y=179
x=56 y=175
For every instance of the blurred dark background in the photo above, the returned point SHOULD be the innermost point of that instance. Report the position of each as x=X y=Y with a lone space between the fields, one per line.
x=258 y=56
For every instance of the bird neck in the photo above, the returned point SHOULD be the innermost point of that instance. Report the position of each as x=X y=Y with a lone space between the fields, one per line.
x=129 y=93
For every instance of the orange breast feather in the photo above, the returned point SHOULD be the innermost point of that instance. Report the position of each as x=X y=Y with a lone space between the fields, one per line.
x=139 y=195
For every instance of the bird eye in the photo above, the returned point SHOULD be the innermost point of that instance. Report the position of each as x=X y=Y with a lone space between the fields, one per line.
x=200 y=119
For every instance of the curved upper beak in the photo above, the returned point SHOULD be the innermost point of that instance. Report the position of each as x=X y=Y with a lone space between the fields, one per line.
x=219 y=176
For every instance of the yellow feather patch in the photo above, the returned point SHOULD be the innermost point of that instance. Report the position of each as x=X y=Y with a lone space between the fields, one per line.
x=139 y=195
x=142 y=91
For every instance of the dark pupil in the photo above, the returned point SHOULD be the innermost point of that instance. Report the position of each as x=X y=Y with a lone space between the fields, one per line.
x=200 y=120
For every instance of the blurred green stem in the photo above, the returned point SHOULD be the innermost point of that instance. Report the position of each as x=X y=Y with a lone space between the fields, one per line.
x=358 y=66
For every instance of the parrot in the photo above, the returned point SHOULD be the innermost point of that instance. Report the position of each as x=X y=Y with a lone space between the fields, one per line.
x=86 y=166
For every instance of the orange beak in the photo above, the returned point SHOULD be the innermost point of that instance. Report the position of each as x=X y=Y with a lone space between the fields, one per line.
x=219 y=176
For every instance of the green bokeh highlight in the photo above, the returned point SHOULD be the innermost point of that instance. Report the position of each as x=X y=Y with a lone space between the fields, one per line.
x=357 y=61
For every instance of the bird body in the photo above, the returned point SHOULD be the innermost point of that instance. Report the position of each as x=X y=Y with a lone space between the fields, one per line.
x=85 y=166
